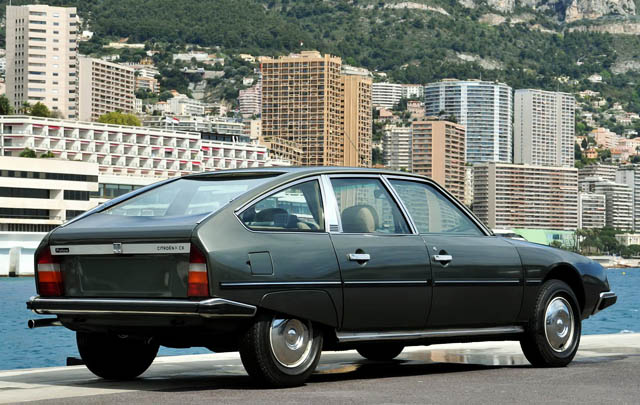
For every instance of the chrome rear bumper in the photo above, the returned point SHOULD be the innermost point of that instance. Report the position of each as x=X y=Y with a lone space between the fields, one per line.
x=209 y=308
x=606 y=299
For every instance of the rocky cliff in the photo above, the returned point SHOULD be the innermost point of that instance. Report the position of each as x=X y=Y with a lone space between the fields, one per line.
x=566 y=10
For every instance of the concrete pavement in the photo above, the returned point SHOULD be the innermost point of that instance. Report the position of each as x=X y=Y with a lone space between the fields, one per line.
x=606 y=369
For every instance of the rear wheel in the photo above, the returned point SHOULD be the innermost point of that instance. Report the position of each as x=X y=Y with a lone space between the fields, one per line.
x=553 y=334
x=380 y=351
x=113 y=357
x=281 y=352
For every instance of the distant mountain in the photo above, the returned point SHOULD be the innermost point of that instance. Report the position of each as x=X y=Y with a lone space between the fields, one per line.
x=564 y=10
x=545 y=44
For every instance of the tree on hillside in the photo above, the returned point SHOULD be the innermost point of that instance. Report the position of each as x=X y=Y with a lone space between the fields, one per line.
x=119 y=118
x=30 y=153
x=40 y=110
x=5 y=106
x=165 y=95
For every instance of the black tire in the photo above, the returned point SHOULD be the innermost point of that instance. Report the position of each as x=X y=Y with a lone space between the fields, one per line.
x=258 y=353
x=555 y=297
x=380 y=351
x=115 y=358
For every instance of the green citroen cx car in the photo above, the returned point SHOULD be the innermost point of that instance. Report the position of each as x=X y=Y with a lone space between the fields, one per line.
x=282 y=263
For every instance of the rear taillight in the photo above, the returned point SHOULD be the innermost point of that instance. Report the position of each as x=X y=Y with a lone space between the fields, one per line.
x=49 y=275
x=198 y=277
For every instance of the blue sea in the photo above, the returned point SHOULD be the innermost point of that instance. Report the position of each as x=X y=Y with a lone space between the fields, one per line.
x=21 y=347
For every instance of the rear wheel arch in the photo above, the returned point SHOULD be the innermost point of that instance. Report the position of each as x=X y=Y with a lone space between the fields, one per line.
x=314 y=305
x=567 y=273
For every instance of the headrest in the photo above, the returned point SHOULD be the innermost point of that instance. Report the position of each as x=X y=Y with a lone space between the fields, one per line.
x=269 y=214
x=359 y=219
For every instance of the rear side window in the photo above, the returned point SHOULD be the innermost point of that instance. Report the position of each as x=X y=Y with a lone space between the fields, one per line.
x=366 y=207
x=187 y=196
x=296 y=209
x=431 y=211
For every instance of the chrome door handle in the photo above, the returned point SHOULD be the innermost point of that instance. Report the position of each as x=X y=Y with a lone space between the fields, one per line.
x=442 y=258
x=359 y=257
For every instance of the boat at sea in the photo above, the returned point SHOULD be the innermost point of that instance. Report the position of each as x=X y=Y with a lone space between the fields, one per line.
x=616 y=262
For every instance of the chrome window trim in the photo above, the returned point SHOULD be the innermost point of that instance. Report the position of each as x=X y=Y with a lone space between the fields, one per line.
x=400 y=203
x=465 y=211
x=240 y=210
x=332 y=216
x=409 y=222
x=344 y=337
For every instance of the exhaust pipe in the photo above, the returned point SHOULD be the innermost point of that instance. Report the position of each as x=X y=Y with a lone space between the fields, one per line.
x=41 y=323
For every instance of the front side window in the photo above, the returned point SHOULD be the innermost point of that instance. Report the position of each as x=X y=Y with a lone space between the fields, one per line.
x=296 y=209
x=187 y=196
x=366 y=207
x=431 y=211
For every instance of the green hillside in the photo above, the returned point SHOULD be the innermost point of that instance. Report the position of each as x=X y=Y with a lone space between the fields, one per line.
x=411 y=45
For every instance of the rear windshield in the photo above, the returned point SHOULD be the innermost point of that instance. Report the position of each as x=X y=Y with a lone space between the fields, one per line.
x=187 y=196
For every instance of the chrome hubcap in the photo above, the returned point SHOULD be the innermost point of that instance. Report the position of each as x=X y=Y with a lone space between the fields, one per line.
x=559 y=324
x=291 y=341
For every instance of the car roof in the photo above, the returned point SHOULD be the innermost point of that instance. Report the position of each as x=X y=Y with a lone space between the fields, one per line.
x=303 y=170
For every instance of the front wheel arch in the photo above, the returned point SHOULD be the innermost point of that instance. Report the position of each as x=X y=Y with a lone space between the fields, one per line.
x=567 y=273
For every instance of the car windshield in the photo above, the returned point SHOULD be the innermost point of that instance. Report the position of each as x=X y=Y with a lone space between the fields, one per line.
x=187 y=196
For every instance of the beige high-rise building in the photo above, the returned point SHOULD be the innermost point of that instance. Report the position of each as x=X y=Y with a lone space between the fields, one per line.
x=357 y=120
x=105 y=87
x=282 y=150
x=438 y=150
x=544 y=128
x=42 y=54
x=521 y=196
x=306 y=99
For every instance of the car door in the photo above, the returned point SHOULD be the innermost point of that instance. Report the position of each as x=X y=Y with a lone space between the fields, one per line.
x=477 y=278
x=384 y=265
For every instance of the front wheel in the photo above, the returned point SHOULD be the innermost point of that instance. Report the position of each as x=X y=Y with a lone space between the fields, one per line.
x=113 y=357
x=553 y=334
x=281 y=352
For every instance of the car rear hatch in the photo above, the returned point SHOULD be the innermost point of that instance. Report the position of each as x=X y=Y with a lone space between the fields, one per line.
x=142 y=246
x=121 y=256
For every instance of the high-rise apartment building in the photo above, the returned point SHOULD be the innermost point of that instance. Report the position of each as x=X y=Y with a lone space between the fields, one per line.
x=544 y=128
x=630 y=175
x=129 y=150
x=306 y=99
x=605 y=172
x=522 y=196
x=105 y=87
x=619 y=204
x=484 y=108
x=386 y=95
x=592 y=211
x=42 y=54
x=357 y=120
x=250 y=100
x=282 y=150
x=396 y=147
x=438 y=152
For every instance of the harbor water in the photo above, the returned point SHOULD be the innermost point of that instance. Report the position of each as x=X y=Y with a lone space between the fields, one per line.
x=21 y=347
